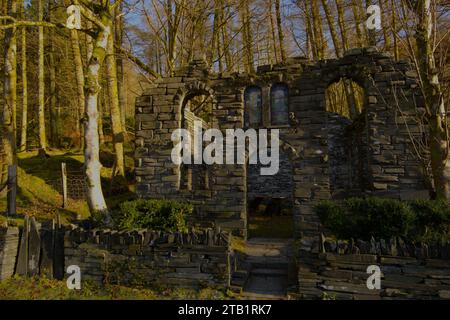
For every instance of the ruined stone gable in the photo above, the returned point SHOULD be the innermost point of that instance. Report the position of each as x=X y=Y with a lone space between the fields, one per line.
x=323 y=155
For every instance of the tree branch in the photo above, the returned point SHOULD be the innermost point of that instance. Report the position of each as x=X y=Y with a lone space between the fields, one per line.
x=138 y=62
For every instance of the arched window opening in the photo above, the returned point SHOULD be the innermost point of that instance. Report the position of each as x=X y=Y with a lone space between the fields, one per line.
x=195 y=108
x=347 y=137
x=346 y=98
x=253 y=106
x=201 y=108
x=279 y=104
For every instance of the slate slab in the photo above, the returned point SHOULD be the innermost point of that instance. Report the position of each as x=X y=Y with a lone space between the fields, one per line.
x=34 y=248
x=22 y=259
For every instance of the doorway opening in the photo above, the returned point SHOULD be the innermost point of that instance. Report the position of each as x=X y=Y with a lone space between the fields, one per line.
x=270 y=201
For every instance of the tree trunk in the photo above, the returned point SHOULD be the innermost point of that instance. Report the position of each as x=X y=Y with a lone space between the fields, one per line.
x=41 y=76
x=312 y=44
x=54 y=124
x=101 y=107
x=342 y=27
x=318 y=30
x=331 y=26
x=95 y=198
x=118 y=40
x=226 y=45
x=10 y=90
x=116 y=122
x=79 y=74
x=394 y=29
x=434 y=101
x=171 y=36
x=24 y=127
x=384 y=16
x=220 y=41
x=272 y=32
x=280 y=30
x=357 y=18
x=247 y=37
x=214 y=36
x=89 y=44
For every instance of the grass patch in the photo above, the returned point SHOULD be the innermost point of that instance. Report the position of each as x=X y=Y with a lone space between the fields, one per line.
x=37 y=196
x=40 y=288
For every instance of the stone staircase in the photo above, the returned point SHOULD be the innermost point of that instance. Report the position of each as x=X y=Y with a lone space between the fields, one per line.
x=266 y=270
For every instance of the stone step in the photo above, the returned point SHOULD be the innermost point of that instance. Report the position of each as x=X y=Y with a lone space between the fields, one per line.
x=239 y=278
x=235 y=289
x=270 y=272
x=262 y=296
x=266 y=264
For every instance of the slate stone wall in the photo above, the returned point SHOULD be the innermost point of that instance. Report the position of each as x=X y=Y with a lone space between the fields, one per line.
x=378 y=152
x=338 y=270
x=9 y=242
x=279 y=185
x=339 y=157
x=193 y=259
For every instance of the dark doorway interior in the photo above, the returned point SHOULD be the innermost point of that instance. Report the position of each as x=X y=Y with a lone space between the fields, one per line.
x=270 y=218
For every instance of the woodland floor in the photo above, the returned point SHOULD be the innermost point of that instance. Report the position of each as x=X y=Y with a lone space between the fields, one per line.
x=19 y=288
x=38 y=197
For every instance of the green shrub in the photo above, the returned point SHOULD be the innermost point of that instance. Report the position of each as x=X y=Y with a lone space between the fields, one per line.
x=380 y=218
x=164 y=215
x=334 y=218
x=384 y=218
x=432 y=219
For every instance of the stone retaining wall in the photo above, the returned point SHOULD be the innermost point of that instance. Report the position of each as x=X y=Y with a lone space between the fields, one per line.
x=192 y=259
x=339 y=271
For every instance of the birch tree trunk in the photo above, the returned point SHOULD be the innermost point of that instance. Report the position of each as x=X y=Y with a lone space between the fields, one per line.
x=95 y=198
x=101 y=107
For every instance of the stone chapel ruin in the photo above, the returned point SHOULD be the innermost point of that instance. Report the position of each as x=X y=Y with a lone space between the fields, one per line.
x=323 y=155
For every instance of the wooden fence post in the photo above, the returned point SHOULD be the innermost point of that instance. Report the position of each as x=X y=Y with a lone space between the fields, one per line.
x=64 y=184
x=12 y=190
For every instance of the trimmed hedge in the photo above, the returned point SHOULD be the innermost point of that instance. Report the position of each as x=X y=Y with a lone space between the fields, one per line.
x=363 y=218
x=155 y=214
